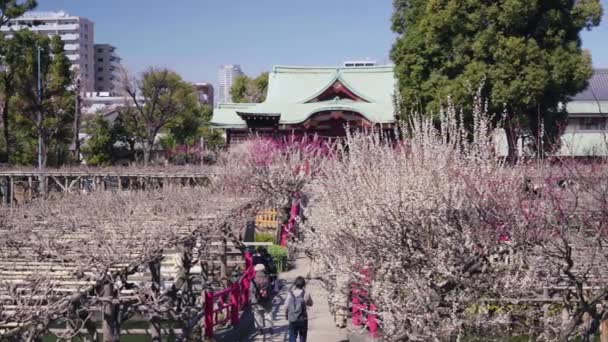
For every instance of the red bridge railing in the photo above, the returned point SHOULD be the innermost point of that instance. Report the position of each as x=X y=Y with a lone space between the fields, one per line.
x=225 y=306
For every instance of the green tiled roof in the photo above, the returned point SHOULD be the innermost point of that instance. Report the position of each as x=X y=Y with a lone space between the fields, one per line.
x=290 y=88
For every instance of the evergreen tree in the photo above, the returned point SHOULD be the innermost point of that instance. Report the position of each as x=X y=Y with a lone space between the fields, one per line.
x=50 y=110
x=10 y=9
x=157 y=100
x=9 y=54
x=99 y=148
x=247 y=90
x=524 y=54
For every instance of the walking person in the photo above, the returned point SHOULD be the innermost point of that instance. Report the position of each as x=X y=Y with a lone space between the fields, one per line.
x=260 y=298
x=263 y=257
x=297 y=314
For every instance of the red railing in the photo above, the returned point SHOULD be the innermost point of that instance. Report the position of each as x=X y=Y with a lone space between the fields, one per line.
x=289 y=229
x=225 y=306
x=363 y=310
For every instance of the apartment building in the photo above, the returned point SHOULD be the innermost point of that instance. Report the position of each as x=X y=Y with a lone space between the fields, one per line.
x=227 y=76
x=76 y=32
x=107 y=69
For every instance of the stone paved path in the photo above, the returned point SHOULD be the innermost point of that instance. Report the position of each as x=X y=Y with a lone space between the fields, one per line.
x=321 y=326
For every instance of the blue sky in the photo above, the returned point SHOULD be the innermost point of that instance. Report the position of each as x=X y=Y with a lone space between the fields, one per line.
x=196 y=36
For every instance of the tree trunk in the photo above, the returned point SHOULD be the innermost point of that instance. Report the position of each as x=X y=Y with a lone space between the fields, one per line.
x=6 y=130
x=43 y=150
x=511 y=141
x=155 y=332
x=110 y=327
x=147 y=150
x=568 y=328
x=604 y=331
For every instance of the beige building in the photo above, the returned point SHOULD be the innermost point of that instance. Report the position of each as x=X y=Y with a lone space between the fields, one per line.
x=107 y=69
x=77 y=34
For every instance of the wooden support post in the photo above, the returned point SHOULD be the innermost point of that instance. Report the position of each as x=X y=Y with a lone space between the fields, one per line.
x=155 y=331
x=42 y=186
x=90 y=326
x=183 y=282
x=66 y=189
x=110 y=327
x=119 y=183
x=546 y=306
x=12 y=192
x=224 y=259
x=29 y=188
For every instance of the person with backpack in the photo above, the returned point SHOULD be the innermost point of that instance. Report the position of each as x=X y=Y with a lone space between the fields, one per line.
x=296 y=311
x=260 y=298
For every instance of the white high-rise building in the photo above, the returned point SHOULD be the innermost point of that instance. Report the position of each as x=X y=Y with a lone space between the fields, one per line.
x=77 y=34
x=227 y=75
x=107 y=69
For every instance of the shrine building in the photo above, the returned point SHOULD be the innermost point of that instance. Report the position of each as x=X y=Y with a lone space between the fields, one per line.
x=319 y=101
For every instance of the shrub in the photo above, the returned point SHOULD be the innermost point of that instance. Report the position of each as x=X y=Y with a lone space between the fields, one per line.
x=279 y=255
x=264 y=237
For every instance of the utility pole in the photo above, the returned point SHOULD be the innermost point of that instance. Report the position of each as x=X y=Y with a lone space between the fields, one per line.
x=39 y=119
x=77 y=123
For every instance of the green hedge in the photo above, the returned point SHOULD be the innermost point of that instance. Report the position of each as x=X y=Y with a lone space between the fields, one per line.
x=279 y=255
x=264 y=237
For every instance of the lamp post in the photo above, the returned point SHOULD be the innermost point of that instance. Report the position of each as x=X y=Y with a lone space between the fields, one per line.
x=77 y=123
x=39 y=119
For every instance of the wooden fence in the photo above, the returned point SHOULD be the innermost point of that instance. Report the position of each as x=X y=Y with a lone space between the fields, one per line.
x=267 y=219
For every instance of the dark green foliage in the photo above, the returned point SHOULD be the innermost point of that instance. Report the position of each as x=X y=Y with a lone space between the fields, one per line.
x=99 y=147
x=13 y=8
x=247 y=90
x=279 y=255
x=524 y=54
x=23 y=103
x=10 y=51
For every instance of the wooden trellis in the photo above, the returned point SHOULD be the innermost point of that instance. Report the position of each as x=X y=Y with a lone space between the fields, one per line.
x=18 y=187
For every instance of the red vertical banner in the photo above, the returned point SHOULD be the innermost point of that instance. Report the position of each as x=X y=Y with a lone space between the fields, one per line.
x=289 y=229
x=234 y=304
x=209 y=314
x=372 y=321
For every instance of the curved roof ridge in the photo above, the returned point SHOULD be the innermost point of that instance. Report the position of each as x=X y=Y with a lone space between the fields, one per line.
x=337 y=78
